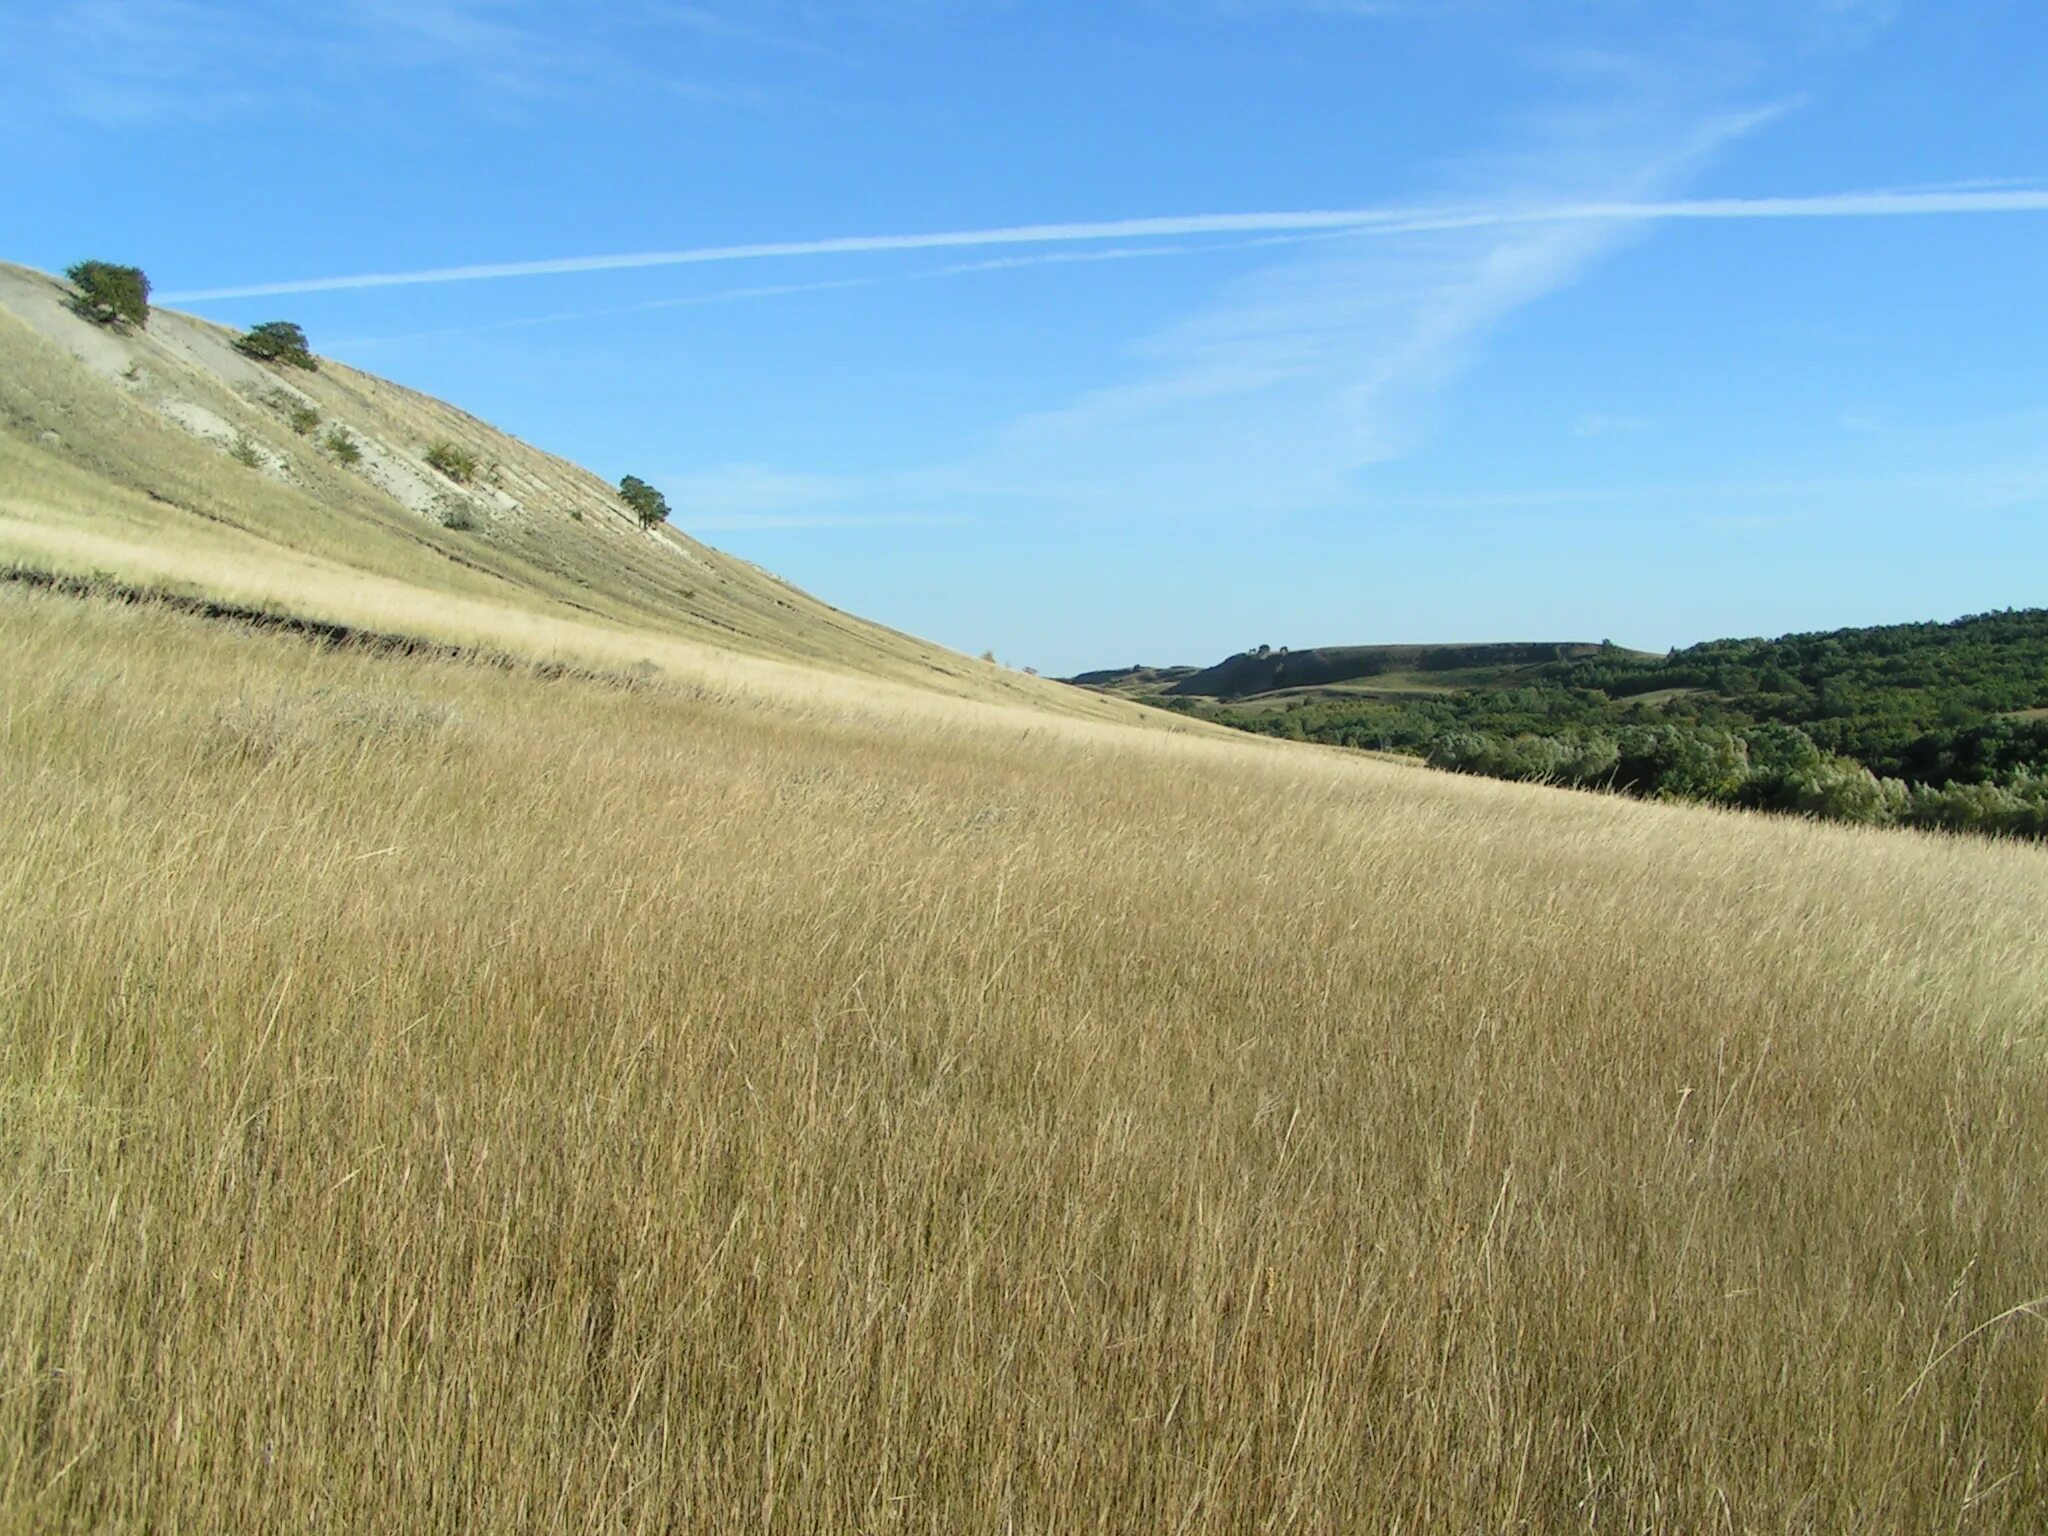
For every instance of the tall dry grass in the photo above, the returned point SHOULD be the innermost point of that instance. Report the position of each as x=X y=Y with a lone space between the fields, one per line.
x=433 y=1098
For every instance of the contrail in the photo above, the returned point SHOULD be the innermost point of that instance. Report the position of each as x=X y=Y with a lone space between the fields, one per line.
x=782 y=290
x=1385 y=220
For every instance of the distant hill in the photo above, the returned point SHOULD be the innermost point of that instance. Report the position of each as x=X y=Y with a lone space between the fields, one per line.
x=1943 y=724
x=1397 y=666
x=1269 y=677
x=1136 y=681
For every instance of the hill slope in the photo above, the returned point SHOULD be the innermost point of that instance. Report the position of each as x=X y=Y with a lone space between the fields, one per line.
x=435 y=1098
x=117 y=456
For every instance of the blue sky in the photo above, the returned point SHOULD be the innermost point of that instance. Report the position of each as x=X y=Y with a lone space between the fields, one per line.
x=1650 y=320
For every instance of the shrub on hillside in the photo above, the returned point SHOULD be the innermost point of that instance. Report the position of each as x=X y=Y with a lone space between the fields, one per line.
x=2017 y=809
x=648 y=504
x=1566 y=759
x=299 y=416
x=343 y=445
x=1681 y=763
x=277 y=341
x=457 y=463
x=110 y=294
x=1841 y=790
x=244 y=452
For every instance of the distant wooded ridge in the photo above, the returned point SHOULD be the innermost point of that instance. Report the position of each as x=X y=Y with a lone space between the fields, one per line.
x=1927 y=724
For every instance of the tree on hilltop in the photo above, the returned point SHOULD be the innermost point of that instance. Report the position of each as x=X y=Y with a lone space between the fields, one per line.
x=109 y=294
x=648 y=504
x=277 y=341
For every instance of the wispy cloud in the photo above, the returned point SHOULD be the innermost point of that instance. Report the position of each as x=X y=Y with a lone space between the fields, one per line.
x=1298 y=375
x=127 y=62
x=1378 y=220
x=1309 y=368
x=1603 y=424
x=829 y=285
x=717 y=24
x=761 y=522
x=569 y=316
x=753 y=490
x=759 y=497
x=118 y=62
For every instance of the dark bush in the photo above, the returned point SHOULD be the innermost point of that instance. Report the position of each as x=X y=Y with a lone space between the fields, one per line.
x=298 y=415
x=457 y=463
x=277 y=341
x=109 y=294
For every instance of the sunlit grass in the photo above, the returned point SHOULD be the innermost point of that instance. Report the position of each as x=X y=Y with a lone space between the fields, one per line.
x=437 y=1098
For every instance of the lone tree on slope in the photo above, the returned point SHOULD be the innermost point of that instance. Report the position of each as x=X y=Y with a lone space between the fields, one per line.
x=109 y=294
x=648 y=504
x=277 y=341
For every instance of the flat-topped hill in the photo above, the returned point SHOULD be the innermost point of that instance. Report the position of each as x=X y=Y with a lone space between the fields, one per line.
x=1266 y=670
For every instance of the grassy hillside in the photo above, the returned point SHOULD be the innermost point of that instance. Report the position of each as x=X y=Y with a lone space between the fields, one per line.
x=118 y=458
x=434 y=1097
x=1938 y=725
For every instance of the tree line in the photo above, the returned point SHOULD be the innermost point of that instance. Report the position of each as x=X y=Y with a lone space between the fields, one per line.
x=1933 y=725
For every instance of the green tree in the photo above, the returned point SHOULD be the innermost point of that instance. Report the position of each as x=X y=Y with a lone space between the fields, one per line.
x=277 y=341
x=648 y=504
x=109 y=294
x=1839 y=790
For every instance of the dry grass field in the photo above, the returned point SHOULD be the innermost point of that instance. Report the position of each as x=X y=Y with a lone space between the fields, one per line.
x=437 y=1097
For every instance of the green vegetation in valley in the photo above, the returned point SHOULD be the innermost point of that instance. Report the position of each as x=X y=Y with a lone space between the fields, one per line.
x=1925 y=724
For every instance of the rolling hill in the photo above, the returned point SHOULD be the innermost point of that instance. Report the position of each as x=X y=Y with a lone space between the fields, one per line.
x=119 y=458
